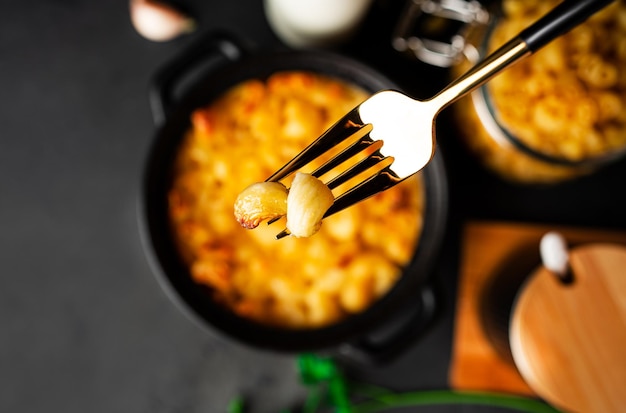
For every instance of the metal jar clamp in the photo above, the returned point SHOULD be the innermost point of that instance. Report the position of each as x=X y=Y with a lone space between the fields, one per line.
x=436 y=31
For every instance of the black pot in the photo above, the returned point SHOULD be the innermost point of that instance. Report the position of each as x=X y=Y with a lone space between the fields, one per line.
x=410 y=298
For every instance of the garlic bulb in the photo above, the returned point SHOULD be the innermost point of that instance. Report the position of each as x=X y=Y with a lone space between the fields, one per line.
x=158 y=21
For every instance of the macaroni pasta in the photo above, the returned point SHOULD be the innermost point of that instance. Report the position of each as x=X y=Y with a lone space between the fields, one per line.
x=243 y=137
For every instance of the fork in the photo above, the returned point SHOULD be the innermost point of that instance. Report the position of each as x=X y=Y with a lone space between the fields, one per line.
x=399 y=131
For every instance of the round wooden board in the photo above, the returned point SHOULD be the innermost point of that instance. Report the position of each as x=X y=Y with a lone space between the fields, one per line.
x=569 y=340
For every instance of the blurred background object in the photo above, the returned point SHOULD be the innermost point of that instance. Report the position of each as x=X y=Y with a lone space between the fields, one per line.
x=159 y=21
x=315 y=23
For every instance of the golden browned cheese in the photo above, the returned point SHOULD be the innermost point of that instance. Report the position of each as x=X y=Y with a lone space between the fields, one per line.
x=243 y=137
x=568 y=100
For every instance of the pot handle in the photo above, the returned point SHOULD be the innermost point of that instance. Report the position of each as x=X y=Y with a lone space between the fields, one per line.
x=164 y=82
x=391 y=341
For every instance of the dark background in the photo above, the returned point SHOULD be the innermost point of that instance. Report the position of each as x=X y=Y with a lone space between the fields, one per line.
x=84 y=325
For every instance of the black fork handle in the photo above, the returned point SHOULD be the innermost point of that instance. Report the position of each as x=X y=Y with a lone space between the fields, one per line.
x=560 y=20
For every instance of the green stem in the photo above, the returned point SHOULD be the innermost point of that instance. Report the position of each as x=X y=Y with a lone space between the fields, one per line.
x=422 y=398
x=313 y=400
x=236 y=405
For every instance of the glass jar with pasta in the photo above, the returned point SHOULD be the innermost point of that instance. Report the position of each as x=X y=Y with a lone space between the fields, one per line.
x=557 y=114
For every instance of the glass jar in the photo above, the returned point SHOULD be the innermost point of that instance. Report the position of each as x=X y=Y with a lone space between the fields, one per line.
x=558 y=114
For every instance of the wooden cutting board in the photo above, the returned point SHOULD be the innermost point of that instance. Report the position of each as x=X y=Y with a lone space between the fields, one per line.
x=568 y=340
x=475 y=363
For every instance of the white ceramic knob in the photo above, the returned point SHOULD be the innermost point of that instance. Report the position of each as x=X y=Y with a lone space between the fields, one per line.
x=554 y=253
